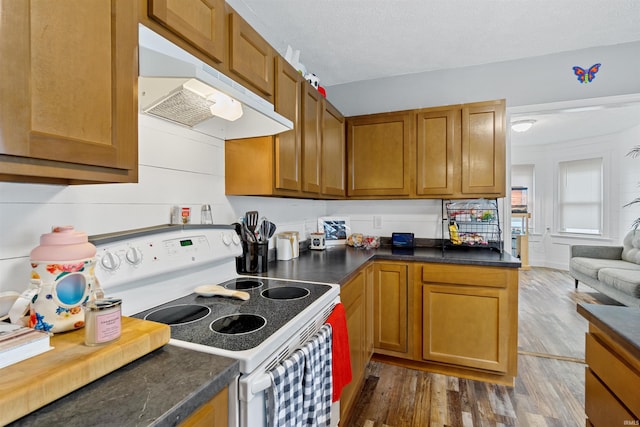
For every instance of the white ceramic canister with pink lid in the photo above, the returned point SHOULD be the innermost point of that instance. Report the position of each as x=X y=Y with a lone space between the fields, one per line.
x=62 y=275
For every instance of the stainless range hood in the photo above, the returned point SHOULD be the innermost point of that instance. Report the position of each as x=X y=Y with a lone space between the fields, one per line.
x=176 y=86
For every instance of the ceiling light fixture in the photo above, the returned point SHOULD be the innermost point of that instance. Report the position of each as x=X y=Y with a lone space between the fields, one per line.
x=522 y=125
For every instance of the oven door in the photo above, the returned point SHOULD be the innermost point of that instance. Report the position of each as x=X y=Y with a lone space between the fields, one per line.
x=252 y=400
x=253 y=386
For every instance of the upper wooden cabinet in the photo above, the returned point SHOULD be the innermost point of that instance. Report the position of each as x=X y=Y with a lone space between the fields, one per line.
x=250 y=56
x=68 y=118
x=215 y=33
x=483 y=149
x=459 y=152
x=333 y=152
x=379 y=154
x=307 y=162
x=201 y=23
x=311 y=139
x=437 y=151
x=288 y=148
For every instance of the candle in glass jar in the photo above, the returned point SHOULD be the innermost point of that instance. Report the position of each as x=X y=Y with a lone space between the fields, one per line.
x=103 y=321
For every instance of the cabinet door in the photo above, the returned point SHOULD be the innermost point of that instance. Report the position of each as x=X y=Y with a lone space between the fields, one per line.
x=352 y=295
x=333 y=160
x=250 y=56
x=213 y=413
x=483 y=148
x=69 y=117
x=438 y=151
x=379 y=153
x=390 y=307
x=311 y=139
x=288 y=148
x=466 y=326
x=199 y=22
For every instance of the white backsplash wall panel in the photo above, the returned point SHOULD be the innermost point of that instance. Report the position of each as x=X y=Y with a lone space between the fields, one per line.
x=421 y=217
x=288 y=214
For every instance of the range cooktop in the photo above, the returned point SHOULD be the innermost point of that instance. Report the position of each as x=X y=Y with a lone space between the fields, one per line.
x=232 y=324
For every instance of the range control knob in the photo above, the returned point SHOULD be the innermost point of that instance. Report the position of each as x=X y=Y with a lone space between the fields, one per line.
x=110 y=261
x=226 y=239
x=235 y=238
x=134 y=256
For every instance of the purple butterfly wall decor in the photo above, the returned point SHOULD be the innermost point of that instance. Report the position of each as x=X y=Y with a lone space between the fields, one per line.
x=585 y=76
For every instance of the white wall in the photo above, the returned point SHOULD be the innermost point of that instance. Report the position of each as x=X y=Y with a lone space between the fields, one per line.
x=177 y=167
x=538 y=80
x=549 y=248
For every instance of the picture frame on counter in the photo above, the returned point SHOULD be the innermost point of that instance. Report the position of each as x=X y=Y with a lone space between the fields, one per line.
x=336 y=229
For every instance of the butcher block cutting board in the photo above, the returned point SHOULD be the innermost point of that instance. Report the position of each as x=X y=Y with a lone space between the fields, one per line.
x=35 y=382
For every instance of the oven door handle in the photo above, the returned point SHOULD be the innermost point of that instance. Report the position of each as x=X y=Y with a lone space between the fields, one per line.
x=253 y=384
x=261 y=384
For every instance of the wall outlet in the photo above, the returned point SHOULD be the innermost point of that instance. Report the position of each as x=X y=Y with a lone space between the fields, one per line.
x=377 y=222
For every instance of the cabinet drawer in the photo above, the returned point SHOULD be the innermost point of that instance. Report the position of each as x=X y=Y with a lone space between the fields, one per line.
x=601 y=407
x=619 y=377
x=493 y=277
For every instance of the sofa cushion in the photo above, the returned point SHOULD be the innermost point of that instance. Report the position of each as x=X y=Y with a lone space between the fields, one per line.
x=627 y=281
x=591 y=266
x=631 y=247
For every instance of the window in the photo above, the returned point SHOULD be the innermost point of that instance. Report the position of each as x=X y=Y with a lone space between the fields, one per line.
x=524 y=176
x=580 y=196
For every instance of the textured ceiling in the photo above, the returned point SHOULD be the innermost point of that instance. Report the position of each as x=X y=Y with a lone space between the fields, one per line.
x=342 y=41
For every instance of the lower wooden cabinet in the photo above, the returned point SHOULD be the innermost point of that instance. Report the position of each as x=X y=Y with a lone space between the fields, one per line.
x=390 y=308
x=354 y=297
x=465 y=326
x=470 y=317
x=611 y=382
x=451 y=319
x=214 y=413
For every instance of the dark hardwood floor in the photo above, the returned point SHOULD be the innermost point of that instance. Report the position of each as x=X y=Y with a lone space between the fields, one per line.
x=549 y=389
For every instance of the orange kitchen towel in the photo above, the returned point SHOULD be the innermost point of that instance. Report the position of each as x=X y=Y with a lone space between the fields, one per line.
x=340 y=359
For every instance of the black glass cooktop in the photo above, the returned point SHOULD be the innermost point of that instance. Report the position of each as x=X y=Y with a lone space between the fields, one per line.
x=233 y=324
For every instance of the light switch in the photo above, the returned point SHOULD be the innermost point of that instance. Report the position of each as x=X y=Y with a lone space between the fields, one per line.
x=377 y=221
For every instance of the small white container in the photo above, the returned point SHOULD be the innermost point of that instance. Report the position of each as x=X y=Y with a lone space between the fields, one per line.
x=287 y=246
x=317 y=241
x=103 y=321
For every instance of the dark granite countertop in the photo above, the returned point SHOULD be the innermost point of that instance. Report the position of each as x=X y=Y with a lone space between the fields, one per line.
x=336 y=264
x=161 y=388
x=621 y=323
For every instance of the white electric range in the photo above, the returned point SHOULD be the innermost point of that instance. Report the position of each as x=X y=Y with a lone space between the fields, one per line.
x=155 y=271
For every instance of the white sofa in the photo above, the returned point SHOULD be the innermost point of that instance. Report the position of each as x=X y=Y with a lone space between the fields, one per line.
x=611 y=270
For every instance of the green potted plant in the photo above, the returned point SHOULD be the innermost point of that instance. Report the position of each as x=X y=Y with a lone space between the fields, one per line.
x=635 y=152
